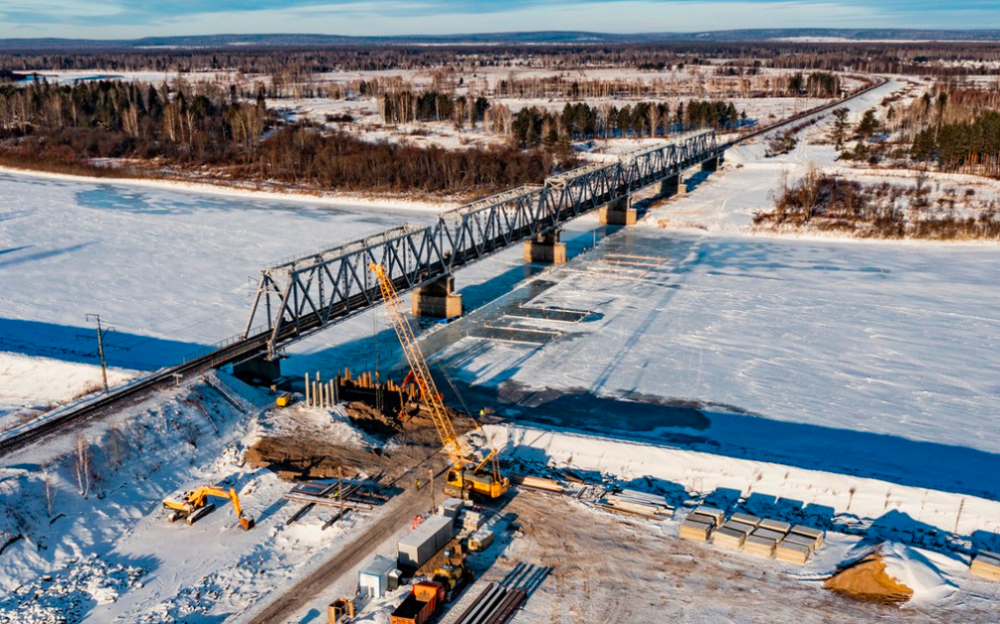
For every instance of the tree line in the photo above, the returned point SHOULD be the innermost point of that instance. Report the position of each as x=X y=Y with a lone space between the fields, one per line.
x=66 y=127
x=962 y=145
x=825 y=202
x=532 y=126
x=920 y=58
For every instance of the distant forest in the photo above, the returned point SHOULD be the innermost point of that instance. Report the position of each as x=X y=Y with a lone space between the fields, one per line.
x=63 y=128
x=921 y=58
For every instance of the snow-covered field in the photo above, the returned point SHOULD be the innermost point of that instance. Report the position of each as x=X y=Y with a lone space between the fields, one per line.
x=853 y=378
x=102 y=550
x=170 y=269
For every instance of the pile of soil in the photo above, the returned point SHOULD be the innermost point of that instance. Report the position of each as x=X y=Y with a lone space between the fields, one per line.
x=372 y=421
x=414 y=420
x=295 y=457
x=867 y=580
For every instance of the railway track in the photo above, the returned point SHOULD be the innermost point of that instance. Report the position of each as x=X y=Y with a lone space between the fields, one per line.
x=244 y=349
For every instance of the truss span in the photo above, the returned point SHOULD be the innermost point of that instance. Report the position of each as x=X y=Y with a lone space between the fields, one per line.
x=299 y=297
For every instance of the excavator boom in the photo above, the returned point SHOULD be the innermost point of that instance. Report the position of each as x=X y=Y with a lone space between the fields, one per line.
x=194 y=505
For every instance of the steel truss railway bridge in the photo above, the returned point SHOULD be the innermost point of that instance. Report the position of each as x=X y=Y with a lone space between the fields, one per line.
x=300 y=297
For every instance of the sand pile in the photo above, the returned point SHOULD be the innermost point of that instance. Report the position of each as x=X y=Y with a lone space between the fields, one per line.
x=893 y=573
x=867 y=580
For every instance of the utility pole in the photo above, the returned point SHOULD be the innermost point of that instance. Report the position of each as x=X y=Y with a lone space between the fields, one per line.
x=102 y=331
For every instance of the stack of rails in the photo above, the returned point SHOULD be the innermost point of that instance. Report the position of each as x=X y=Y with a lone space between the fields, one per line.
x=354 y=497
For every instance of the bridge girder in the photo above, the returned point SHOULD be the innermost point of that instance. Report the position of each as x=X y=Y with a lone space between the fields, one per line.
x=302 y=296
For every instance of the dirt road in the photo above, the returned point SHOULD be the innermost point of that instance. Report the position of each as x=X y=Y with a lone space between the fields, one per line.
x=396 y=515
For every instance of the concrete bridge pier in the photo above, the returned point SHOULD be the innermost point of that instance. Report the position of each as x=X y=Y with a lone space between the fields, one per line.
x=619 y=212
x=258 y=371
x=712 y=164
x=437 y=299
x=673 y=186
x=545 y=248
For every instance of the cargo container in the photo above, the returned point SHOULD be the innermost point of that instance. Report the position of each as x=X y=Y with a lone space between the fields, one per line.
x=420 y=605
x=451 y=507
x=373 y=579
x=424 y=542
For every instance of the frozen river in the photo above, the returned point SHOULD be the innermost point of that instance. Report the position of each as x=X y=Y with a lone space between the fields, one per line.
x=170 y=270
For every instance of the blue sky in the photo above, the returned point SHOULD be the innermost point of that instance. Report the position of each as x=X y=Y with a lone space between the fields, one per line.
x=139 y=18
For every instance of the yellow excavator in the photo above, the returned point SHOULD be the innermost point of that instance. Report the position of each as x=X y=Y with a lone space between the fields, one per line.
x=479 y=477
x=193 y=505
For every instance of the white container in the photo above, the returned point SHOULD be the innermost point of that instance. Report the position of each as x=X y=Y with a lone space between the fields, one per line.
x=424 y=542
x=373 y=579
x=450 y=507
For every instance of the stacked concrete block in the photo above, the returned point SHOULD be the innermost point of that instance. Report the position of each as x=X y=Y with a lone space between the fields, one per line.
x=986 y=565
x=470 y=521
x=740 y=527
x=728 y=538
x=795 y=538
x=815 y=535
x=775 y=525
x=774 y=536
x=759 y=545
x=697 y=528
x=792 y=552
x=717 y=515
x=745 y=519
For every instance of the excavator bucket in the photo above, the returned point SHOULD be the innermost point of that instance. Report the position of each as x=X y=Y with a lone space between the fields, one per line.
x=247 y=522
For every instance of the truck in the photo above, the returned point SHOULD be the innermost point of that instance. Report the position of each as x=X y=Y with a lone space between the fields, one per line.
x=423 y=601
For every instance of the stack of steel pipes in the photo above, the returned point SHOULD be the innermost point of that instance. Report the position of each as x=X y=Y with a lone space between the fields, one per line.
x=496 y=605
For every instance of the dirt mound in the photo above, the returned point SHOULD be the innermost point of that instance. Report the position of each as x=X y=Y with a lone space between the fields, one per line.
x=293 y=457
x=370 y=420
x=868 y=581
x=414 y=419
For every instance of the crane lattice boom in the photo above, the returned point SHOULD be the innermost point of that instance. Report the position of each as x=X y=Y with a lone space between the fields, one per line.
x=420 y=369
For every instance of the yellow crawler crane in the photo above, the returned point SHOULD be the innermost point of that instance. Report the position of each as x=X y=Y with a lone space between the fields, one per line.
x=467 y=473
x=192 y=506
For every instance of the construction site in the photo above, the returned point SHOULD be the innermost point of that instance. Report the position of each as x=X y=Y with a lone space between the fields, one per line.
x=601 y=397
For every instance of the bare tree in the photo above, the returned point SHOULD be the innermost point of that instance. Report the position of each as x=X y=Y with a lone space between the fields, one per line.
x=81 y=463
